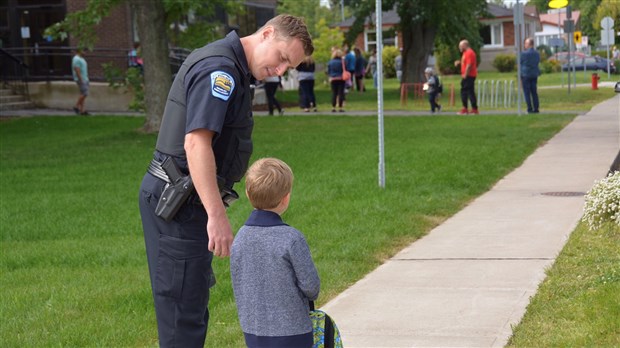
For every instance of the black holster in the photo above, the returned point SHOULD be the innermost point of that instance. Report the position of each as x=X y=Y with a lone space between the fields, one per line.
x=176 y=192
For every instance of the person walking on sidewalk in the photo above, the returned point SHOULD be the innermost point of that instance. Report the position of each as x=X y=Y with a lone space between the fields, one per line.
x=530 y=58
x=79 y=69
x=469 y=71
x=432 y=87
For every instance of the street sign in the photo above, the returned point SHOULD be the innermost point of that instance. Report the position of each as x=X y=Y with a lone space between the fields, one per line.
x=577 y=37
x=607 y=37
x=556 y=42
x=518 y=14
x=607 y=23
x=569 y=26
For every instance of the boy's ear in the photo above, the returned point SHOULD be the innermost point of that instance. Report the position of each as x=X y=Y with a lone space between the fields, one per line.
x=286 y=199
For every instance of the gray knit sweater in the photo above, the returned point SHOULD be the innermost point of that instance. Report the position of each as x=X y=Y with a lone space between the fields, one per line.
x=273 y=277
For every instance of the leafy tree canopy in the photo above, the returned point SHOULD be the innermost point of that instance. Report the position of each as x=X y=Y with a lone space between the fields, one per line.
x=425 y=24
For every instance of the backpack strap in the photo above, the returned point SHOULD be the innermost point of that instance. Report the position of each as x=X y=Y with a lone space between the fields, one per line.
x=329 y=332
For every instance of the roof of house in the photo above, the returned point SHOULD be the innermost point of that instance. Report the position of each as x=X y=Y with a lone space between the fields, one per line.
x=552 y=18
x=391 y=17
x=497 y=11
x=388 y=18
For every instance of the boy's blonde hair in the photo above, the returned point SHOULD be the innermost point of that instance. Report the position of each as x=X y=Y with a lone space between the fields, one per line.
x=267 y=181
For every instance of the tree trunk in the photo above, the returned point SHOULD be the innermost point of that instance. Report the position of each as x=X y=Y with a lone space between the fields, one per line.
x=418 y=40
x=151 y=22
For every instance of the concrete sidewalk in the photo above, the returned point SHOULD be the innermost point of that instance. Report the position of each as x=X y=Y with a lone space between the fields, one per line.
x=470 y=279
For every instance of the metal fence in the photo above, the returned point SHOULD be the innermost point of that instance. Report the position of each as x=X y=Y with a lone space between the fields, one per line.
x=497 y=93
x=14 y=73
x=48 y=63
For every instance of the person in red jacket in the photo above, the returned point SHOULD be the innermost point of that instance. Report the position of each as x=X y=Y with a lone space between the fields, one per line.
x=469 y=71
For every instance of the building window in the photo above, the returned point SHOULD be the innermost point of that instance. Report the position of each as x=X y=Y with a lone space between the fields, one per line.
x=370 y=39
x=492 y=35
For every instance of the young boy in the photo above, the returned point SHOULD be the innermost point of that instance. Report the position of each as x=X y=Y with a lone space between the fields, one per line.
x=272 y=271
x=432 y=89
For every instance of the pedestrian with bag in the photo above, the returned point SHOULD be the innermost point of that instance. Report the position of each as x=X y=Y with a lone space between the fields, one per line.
x=433 y=89
x=338 y=74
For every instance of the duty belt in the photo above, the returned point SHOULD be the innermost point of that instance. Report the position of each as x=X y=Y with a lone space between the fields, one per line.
x=228 y=195
x=157 y=171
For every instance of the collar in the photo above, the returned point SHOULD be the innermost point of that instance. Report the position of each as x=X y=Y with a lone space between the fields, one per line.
x=264 y=218
x=235 y=42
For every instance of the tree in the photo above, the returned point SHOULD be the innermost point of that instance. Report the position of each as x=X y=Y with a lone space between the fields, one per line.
x=327 y=38
x=587 y=9
x=157 y=75
x=307 y=9
x=608 y=8
x=424 y=22
x=153 y=17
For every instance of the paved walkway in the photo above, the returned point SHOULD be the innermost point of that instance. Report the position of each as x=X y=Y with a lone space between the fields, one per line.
x=470 y=279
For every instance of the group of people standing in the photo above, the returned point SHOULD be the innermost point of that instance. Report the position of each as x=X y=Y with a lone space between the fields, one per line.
x=346 y=69
x=528 y=60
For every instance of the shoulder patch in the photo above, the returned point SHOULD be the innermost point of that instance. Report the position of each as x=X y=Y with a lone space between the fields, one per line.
x=222 y=85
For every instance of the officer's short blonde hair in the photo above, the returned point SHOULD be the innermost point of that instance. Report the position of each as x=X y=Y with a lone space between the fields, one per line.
x=267 y=181
x=288 y=26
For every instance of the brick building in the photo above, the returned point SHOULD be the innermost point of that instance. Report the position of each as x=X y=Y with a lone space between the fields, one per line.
x=22 y=25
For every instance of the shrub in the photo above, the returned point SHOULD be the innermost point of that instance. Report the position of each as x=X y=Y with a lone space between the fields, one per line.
x=545 y=52
x=132 y=79
x=389 y=65
x=505 y=62
x=550 y=66
x=603 y=202
x=445 y=56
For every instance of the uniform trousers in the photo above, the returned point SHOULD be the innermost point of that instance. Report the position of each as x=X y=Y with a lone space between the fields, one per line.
x=179 y=267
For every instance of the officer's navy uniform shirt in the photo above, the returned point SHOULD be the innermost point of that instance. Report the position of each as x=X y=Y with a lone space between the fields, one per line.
x=204 y=109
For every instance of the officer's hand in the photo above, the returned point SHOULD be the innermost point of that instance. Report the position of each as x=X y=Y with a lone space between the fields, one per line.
x=220 y=236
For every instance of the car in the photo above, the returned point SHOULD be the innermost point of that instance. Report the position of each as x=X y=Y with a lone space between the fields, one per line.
x=562 y=57
x=617 y=87
x=590 y=63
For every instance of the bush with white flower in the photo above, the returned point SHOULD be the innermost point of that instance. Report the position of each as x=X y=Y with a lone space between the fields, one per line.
x=603 y=202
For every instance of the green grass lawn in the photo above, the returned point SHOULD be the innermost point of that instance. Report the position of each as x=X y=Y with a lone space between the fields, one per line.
x=578 y=305
x=554 y=99
x=73 y=269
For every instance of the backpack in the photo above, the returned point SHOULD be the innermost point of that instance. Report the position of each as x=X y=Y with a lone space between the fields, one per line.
x=439 y=85
x=324 y=330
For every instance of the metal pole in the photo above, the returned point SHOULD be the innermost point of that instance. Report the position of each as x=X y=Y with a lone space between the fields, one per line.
x=608 y=61
x=379 y=13
x=342 y=9
x=518 y=24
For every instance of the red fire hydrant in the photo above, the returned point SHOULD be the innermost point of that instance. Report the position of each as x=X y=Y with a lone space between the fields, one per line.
x=595 y=78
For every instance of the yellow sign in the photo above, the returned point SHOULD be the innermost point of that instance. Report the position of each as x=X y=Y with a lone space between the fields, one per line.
x=558 y=3
x=577 y=37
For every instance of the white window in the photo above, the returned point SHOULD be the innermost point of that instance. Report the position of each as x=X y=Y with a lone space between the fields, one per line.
x=370 y=39
x=492 y=35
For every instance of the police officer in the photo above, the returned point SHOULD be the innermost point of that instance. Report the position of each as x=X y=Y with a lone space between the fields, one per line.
x=206 y=132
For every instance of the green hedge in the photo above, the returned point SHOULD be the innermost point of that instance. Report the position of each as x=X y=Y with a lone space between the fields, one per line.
x=505 y=62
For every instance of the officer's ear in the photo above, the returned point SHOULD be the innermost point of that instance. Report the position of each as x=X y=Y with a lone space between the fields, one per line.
x=268 y=32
